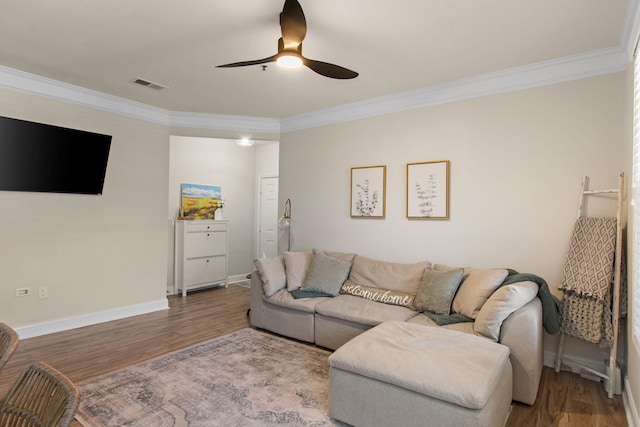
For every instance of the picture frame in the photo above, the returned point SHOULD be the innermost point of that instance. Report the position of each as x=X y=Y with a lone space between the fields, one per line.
x=428 y=190
x=368 y=191
x=198 y=201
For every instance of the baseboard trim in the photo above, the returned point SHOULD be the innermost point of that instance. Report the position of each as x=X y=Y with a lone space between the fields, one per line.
x=91 y=319
x=633 y=417
x=237 y=278
x=550 y=361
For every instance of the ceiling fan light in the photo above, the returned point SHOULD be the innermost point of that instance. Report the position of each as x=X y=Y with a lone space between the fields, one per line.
x=290 y=61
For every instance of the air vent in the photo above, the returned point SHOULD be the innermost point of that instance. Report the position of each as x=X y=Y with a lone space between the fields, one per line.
x=149 y=84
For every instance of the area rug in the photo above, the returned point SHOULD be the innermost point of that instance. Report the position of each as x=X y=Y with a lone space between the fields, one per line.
x=248 y=378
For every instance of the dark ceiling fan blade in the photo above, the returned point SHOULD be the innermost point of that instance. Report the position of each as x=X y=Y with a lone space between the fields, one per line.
x=245 y=63
x=329 y=70
x=293 y=27
x=293 y=24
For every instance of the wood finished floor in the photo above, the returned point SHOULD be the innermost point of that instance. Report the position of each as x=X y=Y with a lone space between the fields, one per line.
x=564 y=399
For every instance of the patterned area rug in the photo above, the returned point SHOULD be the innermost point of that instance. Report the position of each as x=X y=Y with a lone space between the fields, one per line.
x=248 y=378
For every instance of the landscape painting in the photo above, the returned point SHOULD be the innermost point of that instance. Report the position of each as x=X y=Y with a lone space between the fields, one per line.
x=200 y=201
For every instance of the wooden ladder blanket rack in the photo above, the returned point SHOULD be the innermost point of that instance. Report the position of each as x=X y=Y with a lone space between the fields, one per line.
x=574 y=283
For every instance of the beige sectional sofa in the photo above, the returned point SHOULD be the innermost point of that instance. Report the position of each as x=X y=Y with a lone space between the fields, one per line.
x=330 y=298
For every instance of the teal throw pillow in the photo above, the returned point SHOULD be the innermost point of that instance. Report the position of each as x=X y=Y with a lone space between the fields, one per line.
x=437 y=290
x=326 y=274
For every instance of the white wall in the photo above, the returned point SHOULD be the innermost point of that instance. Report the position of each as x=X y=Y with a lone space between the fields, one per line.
x=214 y=161
x=517 y=160
x=95 y=253
x=267 y=157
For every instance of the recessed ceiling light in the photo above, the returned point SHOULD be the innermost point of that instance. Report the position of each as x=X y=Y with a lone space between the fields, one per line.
x=244 y=142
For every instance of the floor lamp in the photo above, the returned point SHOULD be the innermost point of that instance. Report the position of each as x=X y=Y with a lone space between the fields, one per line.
x=284 y=225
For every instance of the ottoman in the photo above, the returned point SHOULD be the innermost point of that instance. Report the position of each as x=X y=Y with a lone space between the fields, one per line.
x=405 y=374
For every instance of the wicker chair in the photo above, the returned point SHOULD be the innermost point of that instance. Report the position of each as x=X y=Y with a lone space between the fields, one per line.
x=40 y=397
x=8 y=343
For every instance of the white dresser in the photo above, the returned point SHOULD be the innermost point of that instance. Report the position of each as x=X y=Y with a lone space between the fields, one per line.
x=200 y=255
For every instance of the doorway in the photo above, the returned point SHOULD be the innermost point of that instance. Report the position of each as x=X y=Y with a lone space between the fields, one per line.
x=268 y=218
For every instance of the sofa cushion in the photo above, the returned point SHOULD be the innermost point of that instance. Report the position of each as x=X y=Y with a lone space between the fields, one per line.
x=272 y=274
x=387 y=275
x=326 y=274
x=360 y=310
x=500 y=305
x=455 y=367
x=296 y=268
x=283 y=298
x=475 y=290
x=385 y=296
x=437 y=290
x=344 y=256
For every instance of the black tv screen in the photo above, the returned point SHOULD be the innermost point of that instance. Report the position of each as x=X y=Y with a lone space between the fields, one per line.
x=51 y=159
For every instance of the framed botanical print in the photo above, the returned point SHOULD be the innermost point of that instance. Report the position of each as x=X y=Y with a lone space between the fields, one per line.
x=368 y=191
x=428 y=190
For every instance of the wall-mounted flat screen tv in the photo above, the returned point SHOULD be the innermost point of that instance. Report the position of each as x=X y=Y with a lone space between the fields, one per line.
x=51 y=159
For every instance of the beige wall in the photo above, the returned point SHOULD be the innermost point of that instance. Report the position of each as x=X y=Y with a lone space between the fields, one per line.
x=95 y=253
x=111 y=256
x=517 y=160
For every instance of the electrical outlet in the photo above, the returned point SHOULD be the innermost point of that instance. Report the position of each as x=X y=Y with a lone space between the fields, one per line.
x=23 y=292
x=43 y=292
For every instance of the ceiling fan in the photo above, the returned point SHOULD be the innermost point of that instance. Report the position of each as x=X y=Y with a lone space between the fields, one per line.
x=294 y=28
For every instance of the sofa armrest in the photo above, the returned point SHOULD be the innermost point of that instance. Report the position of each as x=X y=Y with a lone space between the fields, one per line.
x=522 y=332
x=256 y=315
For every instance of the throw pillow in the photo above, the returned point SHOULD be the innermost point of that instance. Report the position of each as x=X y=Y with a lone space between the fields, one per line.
x=344 y=256
x=445 y=267
x=326 y=274
x=476 y=289
x=387 y=275
x=437 y=290
x=500 y=305
x=404 y=299
x=296 y=267
x=272 y=274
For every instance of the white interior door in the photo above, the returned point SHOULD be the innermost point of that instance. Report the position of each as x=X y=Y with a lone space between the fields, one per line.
x=268 y=232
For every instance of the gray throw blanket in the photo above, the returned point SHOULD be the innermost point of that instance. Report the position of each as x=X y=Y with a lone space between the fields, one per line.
x=550 y=319
x=304 y=293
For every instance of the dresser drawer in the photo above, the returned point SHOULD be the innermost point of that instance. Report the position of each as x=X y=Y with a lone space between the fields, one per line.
x=204 y=270
x=194 y=227
x=205 y=243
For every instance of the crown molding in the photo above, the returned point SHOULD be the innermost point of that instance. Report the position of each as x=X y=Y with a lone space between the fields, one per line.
x=574 y=67
x=54 y=89
x=225 y=122
x=41 y=86
x=631 y=28
x=543 y=73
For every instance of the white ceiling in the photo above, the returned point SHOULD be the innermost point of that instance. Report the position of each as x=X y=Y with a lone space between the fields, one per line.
x=396 y=46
